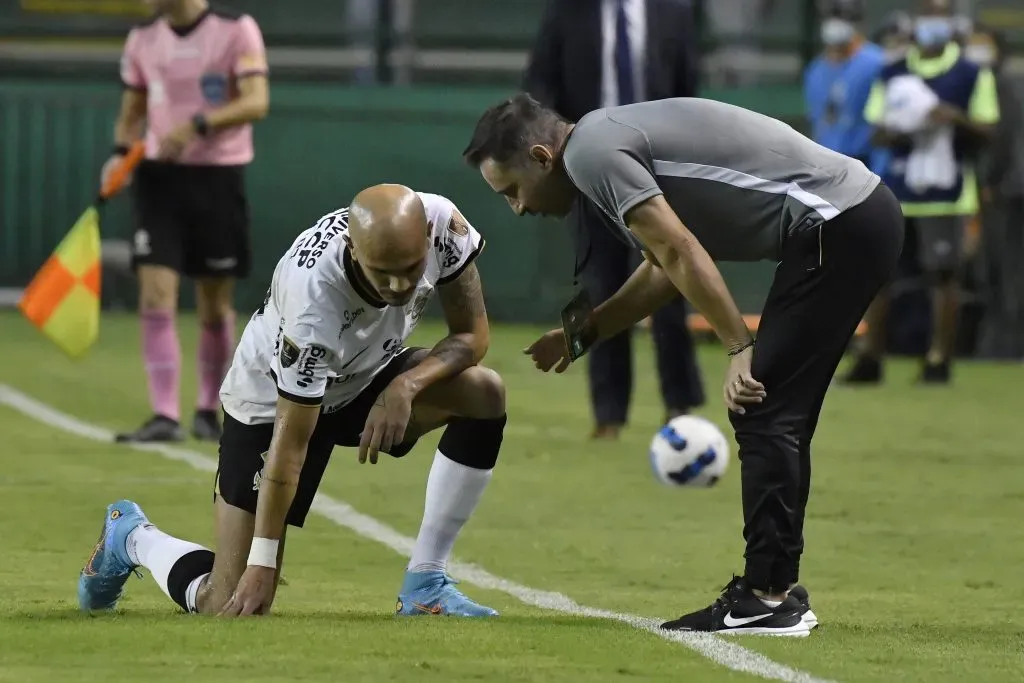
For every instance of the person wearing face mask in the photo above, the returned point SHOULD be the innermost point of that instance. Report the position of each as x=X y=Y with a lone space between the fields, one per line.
x=967 y=111
x=1002 y=211
x=837 y=83
x=895 y=35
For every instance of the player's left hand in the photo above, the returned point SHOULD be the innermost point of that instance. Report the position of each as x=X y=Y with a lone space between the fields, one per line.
x=740 y=386
x=254 y=593
x=388 y=419
x=175 y=142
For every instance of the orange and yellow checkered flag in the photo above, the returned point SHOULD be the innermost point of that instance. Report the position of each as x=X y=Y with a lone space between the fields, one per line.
x=63 y=299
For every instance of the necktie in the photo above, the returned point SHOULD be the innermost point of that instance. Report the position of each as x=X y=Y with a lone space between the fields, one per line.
x=623 y=55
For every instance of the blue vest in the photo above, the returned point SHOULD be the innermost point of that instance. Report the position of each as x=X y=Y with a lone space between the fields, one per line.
x=953 y=87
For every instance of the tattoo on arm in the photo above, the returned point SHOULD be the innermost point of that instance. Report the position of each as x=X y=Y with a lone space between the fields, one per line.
x=453 y=351
x=463 y=302
x=464 y=297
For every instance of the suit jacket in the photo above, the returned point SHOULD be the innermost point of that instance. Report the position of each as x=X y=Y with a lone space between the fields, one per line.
x=564 y=71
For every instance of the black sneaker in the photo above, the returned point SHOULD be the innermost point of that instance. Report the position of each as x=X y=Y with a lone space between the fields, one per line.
x=801 y=595
x=935 y=373
x=205 y=426
x=739 y=611
x=158 y=428
x=865 y=370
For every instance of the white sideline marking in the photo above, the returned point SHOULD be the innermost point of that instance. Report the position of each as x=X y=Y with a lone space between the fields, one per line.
x=717 y=649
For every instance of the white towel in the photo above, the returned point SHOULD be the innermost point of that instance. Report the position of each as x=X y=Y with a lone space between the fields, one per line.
x=932 y=163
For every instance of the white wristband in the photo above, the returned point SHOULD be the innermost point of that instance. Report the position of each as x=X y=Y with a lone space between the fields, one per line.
x=263 y=552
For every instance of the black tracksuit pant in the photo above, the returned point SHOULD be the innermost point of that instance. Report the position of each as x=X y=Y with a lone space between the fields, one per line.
x=827 y=276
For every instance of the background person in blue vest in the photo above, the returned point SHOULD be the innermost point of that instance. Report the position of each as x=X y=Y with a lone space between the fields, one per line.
x=837 y=84
x=969 y=106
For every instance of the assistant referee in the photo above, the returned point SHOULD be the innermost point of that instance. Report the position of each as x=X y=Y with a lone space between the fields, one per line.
x=195 y=79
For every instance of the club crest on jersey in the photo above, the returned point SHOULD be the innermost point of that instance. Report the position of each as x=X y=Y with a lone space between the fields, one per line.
x=289 y=352
x=419 y=304
x=215 y=88
x=458 y=224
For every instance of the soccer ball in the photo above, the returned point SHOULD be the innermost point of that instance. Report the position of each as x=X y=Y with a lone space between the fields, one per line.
x=689 y=451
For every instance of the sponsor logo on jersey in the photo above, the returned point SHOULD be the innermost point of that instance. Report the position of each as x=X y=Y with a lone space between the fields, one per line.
x=392 y=347
x=310 y=357
x=289 y=352
x=350 y=318
x=448 y=250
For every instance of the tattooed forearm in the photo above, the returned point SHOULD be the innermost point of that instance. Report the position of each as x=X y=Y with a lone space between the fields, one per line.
x=463 y=302
x=455 y=352
x=463 y=299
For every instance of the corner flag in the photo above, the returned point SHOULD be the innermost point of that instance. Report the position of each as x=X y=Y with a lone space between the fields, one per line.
x=63 y=298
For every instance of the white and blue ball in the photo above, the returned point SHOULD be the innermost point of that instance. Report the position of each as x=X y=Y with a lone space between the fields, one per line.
x=689 y=451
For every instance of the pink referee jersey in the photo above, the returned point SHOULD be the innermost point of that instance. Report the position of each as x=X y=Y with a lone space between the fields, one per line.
x=194 y=70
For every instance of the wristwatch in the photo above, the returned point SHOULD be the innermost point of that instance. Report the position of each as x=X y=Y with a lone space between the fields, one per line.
x=201 y=125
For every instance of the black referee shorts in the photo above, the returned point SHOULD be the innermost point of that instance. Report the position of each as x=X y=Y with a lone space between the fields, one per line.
x=192 y=219
x=243 y=448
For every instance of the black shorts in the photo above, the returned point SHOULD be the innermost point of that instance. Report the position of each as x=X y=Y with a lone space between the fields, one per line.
x=191 y=219
x=940 y=242
x=243 y=447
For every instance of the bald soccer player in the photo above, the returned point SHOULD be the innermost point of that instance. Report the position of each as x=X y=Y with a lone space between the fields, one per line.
x=689 y=182
x=323 y=363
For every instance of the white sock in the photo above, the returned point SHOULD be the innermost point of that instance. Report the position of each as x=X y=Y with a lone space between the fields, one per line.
x=157 y=552
x=453 y=491
x=193 y=592
x=770 y=603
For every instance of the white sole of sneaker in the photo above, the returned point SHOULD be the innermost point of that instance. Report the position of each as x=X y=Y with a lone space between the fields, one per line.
x=799 y=630
x=810 y=619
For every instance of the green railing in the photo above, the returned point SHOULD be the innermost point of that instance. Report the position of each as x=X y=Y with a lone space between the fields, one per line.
x=316 y=150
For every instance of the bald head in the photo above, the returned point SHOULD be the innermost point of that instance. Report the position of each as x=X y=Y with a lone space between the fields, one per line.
x=389 y=238
x=385 y=219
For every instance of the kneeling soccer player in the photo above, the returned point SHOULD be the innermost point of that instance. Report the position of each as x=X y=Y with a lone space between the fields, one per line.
x=322 y=364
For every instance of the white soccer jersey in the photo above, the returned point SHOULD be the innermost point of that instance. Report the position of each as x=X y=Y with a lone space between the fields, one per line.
x=316 y=339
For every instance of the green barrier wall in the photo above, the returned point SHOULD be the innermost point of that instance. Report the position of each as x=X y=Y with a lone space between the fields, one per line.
x=316 y=150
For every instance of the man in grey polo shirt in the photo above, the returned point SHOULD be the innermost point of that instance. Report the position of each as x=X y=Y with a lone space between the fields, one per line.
x=690 y=182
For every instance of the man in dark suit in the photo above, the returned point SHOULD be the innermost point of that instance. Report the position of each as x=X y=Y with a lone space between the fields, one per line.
x=591 y=54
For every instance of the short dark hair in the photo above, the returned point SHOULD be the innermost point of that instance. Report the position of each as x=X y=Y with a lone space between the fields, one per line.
x=506 y=130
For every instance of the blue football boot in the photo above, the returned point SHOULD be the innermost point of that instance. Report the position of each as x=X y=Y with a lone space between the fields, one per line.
x=105 y=572
x=434 y=593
